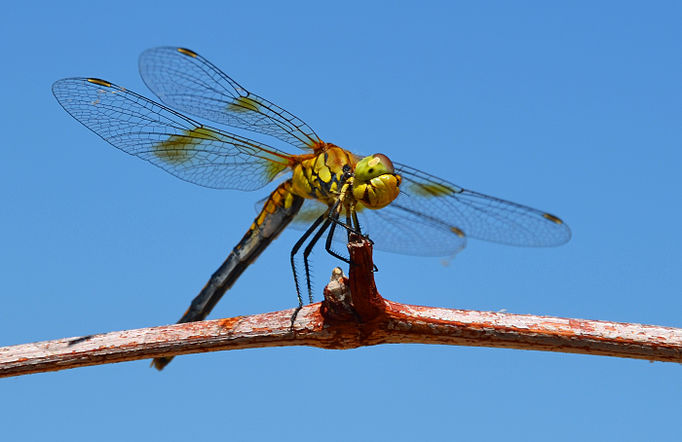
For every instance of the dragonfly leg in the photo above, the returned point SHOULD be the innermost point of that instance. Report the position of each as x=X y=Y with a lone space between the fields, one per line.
x=334 y=217
x=306 y=254
x=358 y=231
x=328 y=244
x=347 y=226
x=352 y=225
x=356 y=222
x=295 y=250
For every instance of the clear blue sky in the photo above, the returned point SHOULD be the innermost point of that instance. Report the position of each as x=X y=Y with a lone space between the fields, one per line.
x=574 y=109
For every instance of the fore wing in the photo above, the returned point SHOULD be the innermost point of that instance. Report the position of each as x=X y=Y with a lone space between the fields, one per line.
x=192 y=152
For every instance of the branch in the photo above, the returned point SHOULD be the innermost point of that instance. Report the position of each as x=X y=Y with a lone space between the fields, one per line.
x=352 y=315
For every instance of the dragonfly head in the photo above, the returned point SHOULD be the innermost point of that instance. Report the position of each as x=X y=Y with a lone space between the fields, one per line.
x=375 y=184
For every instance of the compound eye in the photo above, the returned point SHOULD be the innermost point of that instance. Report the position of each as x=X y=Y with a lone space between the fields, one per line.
x=384 y=164
x=373 y=166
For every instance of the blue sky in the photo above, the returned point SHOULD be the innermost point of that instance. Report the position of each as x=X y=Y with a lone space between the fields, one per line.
x=574 y=109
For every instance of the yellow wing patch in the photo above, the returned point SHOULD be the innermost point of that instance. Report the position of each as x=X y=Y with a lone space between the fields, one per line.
x=432 y=189
x=272 y=169
x=187 y=52
x=99 y=82
x=457 y=231
x=176 y=149
x=243 y=104
x=552 y=218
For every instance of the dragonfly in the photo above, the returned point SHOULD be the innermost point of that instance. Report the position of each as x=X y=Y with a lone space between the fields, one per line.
x=402 y=209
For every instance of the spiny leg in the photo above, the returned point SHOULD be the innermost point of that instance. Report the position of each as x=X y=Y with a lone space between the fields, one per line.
x=347 y=225
x=333 y=217
x=295 y=250
x=356 y=222
x=330 y=217
x=355 y=229
x=306 y=254
x=327 y=218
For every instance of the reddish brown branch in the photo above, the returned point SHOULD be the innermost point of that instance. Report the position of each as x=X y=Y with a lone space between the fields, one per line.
x=353 y=314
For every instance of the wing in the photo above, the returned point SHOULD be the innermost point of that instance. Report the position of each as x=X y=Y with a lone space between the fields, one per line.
x=167 y=139
x=433 y=217
x=188 y=82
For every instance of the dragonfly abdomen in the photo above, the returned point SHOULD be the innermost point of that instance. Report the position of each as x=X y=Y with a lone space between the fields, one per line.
x=278 y=211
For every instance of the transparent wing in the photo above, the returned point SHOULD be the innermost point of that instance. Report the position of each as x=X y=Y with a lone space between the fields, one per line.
x=177 y=144
x=309 y=212
x=188 y=82
x=474 y=214
x=434 y=217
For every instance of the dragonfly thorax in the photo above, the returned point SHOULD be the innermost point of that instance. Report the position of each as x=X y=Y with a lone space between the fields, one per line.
x=321 y=176
x=373 y=181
